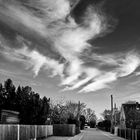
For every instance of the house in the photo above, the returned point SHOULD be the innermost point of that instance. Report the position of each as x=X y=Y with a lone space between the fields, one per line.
x=115 y=117
x=130 y=115
x=9 y=117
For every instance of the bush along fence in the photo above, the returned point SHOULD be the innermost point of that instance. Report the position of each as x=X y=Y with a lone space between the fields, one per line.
x=107 y=129
x=25 y=132
x=129 y=134
x=64 y=129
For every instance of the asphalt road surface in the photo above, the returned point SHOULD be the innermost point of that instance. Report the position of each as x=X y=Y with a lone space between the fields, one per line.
x=89 y=134
x=93 y=134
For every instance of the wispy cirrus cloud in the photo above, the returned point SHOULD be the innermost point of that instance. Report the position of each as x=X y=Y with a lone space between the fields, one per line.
x=8 y=73
x=32 y=59
x=17 y=76
x=53 y=40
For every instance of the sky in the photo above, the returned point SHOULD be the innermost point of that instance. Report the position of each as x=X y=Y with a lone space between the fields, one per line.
x=73 y=49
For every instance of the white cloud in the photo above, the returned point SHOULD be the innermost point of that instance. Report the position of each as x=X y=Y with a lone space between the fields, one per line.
x=129 y=64
x=137 y=73
x=51 y=22
x=100 y=82
x=35 y=60
x=32 y=59
x=91 y=73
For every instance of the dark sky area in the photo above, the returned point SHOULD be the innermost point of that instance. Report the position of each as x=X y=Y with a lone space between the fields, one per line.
x=125 y=15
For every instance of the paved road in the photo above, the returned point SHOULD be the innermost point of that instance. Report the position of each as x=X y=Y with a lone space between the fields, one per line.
x=93 y=134
x=89 y=134
x=57 y=138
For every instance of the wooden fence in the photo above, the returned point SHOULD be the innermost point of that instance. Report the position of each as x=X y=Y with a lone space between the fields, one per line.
x=129 y=134
x=25 y=132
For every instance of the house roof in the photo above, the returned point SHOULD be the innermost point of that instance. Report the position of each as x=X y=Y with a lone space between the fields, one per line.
x=127 y=107
x=134 y=106
x=10 y=111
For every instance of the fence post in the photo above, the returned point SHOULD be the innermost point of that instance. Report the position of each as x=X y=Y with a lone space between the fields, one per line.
x=132 y=134
x=18 y=132
x=35 y=132
x=136 y=135
x=125 y=133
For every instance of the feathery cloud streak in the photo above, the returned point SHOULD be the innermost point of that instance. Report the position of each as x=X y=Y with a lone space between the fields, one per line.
x=48 y=37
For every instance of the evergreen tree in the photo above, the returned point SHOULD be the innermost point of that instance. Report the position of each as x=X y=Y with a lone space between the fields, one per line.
x=32 y=108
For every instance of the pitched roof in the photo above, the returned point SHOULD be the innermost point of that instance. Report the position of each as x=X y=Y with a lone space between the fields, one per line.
x=127 y=107
x=10 y=111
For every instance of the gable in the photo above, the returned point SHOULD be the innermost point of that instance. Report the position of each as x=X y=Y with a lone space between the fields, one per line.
x=122 y=114
x=126 y=109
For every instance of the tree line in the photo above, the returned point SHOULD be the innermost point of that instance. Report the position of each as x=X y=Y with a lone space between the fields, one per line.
x=36 y=110
x=32 y=108
x=72 y=113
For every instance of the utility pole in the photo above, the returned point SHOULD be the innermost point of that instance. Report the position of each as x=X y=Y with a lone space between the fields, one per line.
x=79 y=108
x=111 y=112
x=78 y=116
x=111 y=103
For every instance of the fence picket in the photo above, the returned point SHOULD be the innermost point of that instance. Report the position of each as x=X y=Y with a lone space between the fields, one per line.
x=18 y=137
x=136 y=135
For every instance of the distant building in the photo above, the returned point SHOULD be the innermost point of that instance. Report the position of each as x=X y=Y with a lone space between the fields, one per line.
x=130 y=115
x=9 y=117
